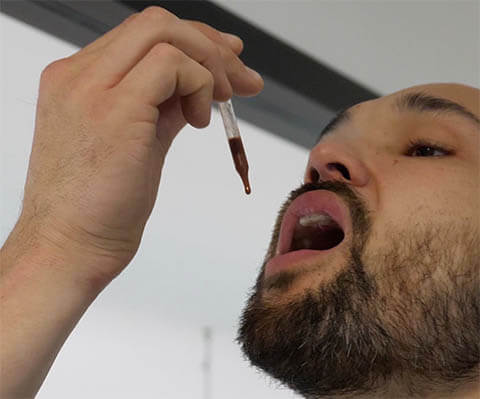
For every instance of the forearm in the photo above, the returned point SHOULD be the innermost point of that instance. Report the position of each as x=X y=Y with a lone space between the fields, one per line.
x=43 y=294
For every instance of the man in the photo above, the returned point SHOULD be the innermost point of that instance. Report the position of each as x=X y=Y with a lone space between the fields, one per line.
x=370 y=286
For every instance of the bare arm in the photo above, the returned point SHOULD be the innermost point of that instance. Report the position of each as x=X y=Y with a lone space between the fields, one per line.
x=106 y=117
x=42 y=299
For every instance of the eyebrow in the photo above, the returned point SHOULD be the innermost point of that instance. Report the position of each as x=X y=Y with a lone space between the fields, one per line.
x=421 y=102
x=416 y=102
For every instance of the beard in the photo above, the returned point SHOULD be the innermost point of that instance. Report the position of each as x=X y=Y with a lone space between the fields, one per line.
x=410 y=328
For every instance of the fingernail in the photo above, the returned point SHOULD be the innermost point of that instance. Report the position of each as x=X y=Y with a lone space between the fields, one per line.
x=254 y=74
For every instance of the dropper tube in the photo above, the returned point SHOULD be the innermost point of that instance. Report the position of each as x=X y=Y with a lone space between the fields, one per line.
x=235 y=142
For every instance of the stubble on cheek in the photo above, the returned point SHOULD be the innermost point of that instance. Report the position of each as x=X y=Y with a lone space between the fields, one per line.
x=424 y=256
x=428 y=286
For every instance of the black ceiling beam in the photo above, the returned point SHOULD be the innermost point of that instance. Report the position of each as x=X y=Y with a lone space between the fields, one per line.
x=300 y=94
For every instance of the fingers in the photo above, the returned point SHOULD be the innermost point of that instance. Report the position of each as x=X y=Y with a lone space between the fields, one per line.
x=90 y=53
x=230 y=46
x=130 y=44
x=234 y=42
x=107 y=37
x=166 y=71
x=221 y=38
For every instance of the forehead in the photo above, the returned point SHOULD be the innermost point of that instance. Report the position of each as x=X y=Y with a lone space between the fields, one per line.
x=458 y=98
x=457 y=102
x=460 y=103
x=465 y=96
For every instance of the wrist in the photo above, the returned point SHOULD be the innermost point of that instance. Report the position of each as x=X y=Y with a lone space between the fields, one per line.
x=45 y=291
x=48 y=253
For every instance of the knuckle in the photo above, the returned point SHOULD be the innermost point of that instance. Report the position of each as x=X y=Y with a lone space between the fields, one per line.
x=56 y=72
x=131 y=17
x=54 y=68
x=156 y=13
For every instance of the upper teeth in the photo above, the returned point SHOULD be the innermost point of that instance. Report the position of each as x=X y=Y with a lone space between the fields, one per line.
x=315 y=218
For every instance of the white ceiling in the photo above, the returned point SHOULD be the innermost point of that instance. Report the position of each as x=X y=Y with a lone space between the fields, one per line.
x=385 y=45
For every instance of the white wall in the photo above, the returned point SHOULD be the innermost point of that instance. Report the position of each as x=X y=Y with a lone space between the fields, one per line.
x=200 y=254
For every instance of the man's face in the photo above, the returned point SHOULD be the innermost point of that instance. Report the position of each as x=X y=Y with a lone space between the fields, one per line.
x=388 y=304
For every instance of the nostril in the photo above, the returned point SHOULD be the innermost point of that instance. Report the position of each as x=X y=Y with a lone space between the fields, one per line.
x=343 y=170
x=314 y=175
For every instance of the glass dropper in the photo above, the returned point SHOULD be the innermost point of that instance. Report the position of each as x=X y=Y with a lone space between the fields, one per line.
x=235 y=142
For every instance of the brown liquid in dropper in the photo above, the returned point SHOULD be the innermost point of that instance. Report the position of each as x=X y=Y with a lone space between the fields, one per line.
x=240 y=160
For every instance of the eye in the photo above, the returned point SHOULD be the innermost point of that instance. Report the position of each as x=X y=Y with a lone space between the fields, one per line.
x=423 y=148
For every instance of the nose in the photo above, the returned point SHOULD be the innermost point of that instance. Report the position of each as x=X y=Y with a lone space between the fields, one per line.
x=335 y=161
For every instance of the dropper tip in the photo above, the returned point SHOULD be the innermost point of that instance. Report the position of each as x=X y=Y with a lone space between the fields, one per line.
x=247 y=189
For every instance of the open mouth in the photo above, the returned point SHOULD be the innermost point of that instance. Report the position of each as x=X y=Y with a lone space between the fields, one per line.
x=317 y=231
x=316 y=220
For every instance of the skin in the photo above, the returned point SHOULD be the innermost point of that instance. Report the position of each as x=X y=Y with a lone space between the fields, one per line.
x=400 y=295
x=92 y=160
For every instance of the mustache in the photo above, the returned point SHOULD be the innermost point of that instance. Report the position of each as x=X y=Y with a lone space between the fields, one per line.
x=334 y=186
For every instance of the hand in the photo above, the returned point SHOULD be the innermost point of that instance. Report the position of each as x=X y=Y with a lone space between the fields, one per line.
x=106 y=117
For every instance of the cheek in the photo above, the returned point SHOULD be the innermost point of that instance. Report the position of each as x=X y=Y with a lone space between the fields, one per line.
x=419 y=224
x=408 y=210
x=427 y=190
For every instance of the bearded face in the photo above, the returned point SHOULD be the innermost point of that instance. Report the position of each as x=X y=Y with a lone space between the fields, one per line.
x=375 y=299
